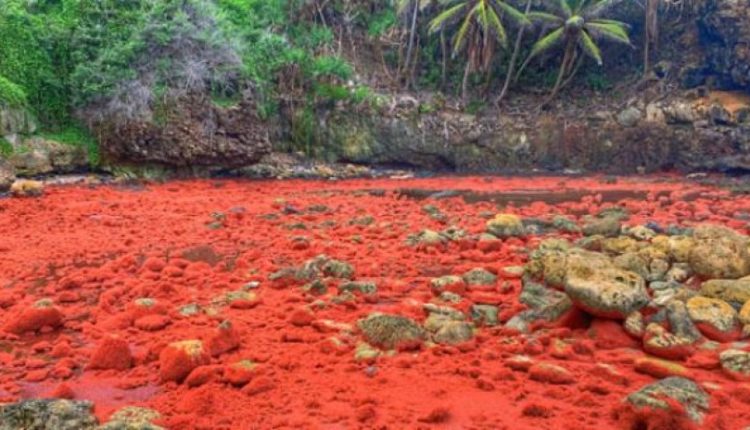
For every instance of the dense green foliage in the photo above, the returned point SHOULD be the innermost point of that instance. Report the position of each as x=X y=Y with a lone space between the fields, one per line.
x=75 y=62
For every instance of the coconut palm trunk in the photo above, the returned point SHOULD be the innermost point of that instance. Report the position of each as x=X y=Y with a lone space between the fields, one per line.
x=513 y=59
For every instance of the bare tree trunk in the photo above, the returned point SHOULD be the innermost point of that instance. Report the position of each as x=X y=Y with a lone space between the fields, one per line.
x=563 y=68
x=513 y=59
x=444 y=51
x=651 y=33
x=412 y=32
x=465 y=82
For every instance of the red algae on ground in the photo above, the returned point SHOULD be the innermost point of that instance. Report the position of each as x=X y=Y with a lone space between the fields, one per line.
x=175 y=297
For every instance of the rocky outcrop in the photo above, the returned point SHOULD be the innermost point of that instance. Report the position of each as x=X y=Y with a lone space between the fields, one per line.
x=38 y=156
x=194 y=132
x=689 y=134
x=15 y=122
x=7 y=175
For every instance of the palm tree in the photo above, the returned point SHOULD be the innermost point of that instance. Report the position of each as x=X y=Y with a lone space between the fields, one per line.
x=576 y=25
x=480 y=27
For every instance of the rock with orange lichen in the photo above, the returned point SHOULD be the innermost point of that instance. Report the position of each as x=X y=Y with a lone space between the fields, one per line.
x=660 y=342
x=112 y=353
x=659 y=368
x=719 y=253
x=178 y=359
x=42 y=314
x=505 y=225
x=715 y=318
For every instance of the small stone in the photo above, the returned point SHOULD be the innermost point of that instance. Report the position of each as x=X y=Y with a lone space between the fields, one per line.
x=361 y=287
x=680 y=322
x=450 y=283
x=484 y=315
x=240 y=373
x=736 y=364
x=690 y=395
x=659 y=368
x=365 y=352
x=223 y=339
x=242 y=299
x=635 y=325
x=479 y=276
x=551 y=374
x=719 y=253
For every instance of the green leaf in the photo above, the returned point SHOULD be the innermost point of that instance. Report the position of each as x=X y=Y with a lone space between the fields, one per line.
x=613 y=32
x=548 y=42
x=589 y=47
x=565 y=8
x=545 y=17
x=444 y=16
x=515 y=15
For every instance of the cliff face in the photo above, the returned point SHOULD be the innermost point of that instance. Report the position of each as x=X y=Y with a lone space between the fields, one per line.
x=725 y=34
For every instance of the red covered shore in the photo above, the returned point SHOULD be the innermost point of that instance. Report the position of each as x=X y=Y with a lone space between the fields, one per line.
x=159 y=296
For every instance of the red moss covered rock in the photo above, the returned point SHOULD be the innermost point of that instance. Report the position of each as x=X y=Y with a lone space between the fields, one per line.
x=42 y=314
x=112 y=353
x=178 y=359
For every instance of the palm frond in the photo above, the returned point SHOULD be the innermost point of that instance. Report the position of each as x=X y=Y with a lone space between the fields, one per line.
x=608 y=31
x=599 y=7
x=493 y=21
x=547 y=42
x=565 y=8
x=589 y=47
x=514 y=14
x=460 y=37
x=444 y=16
x=545 y=17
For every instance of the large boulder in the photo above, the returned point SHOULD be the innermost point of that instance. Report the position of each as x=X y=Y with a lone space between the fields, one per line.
x=38 y=156
x=719 y=252
x=597 y=286
x=48 y=414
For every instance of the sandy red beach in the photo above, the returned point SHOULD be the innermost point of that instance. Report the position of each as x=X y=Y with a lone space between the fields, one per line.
x=97 y=284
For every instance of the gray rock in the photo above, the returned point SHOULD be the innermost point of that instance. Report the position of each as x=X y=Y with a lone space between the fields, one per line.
x=629 y=117
x=51 y=414
x=132 y=418
x=391 y=331
x=366 y=288
x=736 y=363
x=453 y=333
x=680 y=323
x=485 y=315
x=689 y=394
x=479 y=276
x=606 y=226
